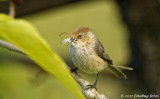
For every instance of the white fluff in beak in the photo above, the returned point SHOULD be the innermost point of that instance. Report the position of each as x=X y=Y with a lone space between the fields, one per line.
x=65 y=41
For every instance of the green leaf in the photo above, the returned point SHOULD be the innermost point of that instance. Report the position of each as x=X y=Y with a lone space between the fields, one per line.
x=22 y=34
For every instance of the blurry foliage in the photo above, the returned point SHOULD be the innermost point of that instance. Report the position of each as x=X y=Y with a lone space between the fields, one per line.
x=20 y=81
x=25 y=36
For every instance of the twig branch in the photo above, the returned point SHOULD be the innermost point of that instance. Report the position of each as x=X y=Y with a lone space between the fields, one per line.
x=12 y=11
x=11 y=47
x=89 y=93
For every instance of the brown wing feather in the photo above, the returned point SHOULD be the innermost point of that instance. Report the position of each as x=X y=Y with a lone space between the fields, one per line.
x=100 y=51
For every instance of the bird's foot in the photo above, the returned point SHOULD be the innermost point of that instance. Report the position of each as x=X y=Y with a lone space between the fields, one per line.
x=74 y=70
x=91 y=87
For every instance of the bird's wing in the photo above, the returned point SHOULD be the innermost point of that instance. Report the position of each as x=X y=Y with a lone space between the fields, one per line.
x=100 y=51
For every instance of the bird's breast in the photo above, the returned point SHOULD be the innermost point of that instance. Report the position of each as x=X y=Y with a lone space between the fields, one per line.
x=86 y=59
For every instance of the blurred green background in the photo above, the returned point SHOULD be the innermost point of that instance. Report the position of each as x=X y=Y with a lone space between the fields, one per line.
x=20 y=78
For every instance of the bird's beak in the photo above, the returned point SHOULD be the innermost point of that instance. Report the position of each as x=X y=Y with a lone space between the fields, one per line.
x=72 y=39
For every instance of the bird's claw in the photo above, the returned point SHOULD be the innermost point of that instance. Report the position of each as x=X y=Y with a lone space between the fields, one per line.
x=91 y=87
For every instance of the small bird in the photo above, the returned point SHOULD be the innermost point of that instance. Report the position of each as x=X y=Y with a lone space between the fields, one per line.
x=88 y=54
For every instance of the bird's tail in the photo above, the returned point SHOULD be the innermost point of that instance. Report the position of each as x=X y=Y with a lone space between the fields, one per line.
x=116 y=70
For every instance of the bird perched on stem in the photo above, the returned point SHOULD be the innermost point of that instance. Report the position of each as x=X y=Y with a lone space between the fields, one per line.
x=88 y=54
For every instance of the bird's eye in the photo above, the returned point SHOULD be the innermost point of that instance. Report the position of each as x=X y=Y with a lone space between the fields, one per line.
x=79 y=36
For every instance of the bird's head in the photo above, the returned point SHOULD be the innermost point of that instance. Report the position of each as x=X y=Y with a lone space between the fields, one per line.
x=82 y=36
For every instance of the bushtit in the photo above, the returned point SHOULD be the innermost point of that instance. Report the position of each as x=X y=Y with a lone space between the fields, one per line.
x=89 y=55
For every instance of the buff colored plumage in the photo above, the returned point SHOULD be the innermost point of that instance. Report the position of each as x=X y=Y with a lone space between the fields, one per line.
x=89 y=55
